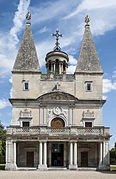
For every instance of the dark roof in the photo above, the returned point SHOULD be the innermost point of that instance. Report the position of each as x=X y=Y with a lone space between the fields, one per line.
x=88 y=60
x=26 y=60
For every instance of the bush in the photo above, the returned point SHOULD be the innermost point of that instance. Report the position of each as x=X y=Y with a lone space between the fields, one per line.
x=2 y=159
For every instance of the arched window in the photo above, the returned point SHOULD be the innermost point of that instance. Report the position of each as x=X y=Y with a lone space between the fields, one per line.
x=57 y=122
x=64 y=66
x=49 y=66
x=57 y=66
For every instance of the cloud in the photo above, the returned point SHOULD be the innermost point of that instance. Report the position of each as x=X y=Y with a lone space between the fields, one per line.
x=4 y=103
x=92 y=5
x=18 y=19
x=101 y=12
x=72 y=60
x=10 y=80
x=9 y=40
x=104 y=97
x=49 y=10
x=43 y=30
x=42 y=49
x=71 y=69
x=108 y=85
x=114 y=74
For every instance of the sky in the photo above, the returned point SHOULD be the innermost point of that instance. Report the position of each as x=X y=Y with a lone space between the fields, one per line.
x=68 y=17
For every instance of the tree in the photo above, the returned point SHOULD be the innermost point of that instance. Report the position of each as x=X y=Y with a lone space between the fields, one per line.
x=113 y=155
x=2 y=143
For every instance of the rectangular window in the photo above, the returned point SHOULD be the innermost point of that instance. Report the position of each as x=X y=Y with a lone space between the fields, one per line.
x=26 y=86
x=88 y=124
x=25 y=124
x=88 y=86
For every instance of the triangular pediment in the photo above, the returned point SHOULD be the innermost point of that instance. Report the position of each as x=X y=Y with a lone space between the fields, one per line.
x=57 y=96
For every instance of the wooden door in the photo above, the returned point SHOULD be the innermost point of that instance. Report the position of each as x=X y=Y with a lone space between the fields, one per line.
x=84 y=159
x=57 y=122
x=30 y=159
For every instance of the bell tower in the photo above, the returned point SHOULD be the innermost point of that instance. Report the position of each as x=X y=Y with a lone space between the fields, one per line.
x=57 y=60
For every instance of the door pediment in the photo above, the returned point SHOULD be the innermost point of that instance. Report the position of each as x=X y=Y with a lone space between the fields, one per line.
x=57 y=96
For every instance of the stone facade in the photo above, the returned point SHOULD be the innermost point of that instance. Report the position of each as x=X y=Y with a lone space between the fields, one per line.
x=57 y=117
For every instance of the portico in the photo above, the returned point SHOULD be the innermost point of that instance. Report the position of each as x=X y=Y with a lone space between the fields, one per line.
x=67 y=153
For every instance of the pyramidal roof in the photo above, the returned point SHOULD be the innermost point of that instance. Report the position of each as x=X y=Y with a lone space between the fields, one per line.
x=26 y=60
x=88 y=60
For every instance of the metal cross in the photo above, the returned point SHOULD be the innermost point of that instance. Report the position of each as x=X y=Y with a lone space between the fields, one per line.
x=57 y=35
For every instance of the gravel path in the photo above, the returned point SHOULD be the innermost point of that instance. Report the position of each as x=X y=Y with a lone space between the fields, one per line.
x=56 y=175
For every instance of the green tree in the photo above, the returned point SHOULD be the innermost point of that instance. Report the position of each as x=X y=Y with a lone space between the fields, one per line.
x=113 y=155
x=2 y=143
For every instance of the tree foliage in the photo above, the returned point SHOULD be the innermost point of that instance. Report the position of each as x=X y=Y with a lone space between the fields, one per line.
x=113 y=155
x=2 y=143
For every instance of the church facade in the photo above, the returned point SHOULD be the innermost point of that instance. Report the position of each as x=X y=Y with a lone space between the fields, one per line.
x=57 y=117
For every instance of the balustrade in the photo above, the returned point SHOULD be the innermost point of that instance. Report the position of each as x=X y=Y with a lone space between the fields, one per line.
x=51 y=130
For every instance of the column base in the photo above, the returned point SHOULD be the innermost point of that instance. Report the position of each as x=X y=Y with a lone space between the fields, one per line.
x=42 y=167
x=104 y=167
x=73 y=167
x=10 y=166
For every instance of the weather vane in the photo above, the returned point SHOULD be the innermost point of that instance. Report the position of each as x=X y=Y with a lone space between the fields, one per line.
x=28 y=16
x=87 y=19
x=57 y=35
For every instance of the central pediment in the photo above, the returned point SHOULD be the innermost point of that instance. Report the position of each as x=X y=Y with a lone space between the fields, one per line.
x=57 y=96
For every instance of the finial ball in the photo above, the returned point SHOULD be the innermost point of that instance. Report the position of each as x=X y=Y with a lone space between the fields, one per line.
x=87 y=19
x=28 y=16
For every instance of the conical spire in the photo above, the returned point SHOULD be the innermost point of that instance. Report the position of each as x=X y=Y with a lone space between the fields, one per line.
x=88 y=60
x=26 y=60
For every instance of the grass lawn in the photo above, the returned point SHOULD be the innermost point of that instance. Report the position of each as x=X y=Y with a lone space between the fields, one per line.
x=113 y=167
x=2 y=166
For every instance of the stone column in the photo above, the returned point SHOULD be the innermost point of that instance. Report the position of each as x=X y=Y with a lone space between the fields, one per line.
x=75 y=155
x=45 y=154
x=40 y=154
x=100 y=155
x=104 y=152
x=14 y=153
x=71 y=156
x=10 y=153
x=45 y=116
x=6 y=152
x=71 y=153
x=54 y=68
x=70 y=118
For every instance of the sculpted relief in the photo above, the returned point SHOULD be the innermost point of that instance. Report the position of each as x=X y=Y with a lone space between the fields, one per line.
x=57 y=112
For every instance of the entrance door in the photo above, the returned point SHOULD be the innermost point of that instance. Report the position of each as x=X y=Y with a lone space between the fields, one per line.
x=84 y=159
x=30 y=159
x=57 y=154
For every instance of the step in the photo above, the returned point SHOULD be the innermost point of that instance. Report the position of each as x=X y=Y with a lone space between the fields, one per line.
x=87 y=169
